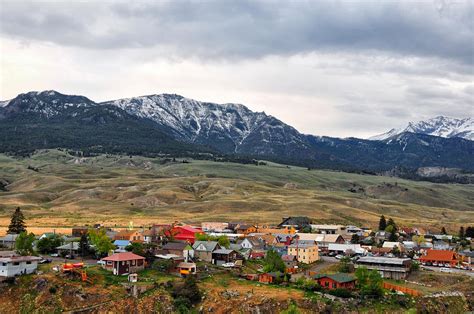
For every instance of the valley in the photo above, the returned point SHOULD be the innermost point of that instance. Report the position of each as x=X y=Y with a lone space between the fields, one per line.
x=56 y=189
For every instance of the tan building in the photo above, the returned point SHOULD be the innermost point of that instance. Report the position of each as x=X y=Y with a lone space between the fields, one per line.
x=129 y=235
x=306 y=253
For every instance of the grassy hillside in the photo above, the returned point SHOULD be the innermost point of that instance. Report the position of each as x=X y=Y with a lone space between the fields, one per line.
x=65 y=190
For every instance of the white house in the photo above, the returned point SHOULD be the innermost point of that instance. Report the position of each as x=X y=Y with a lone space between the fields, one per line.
x=9 y=240
x=343 y=248
x=17 y=265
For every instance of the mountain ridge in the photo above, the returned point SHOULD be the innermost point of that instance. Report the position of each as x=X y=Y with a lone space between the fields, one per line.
x=155 y=124
x=441 y=126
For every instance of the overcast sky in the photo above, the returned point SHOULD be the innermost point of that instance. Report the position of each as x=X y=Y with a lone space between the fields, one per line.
x=327 y=68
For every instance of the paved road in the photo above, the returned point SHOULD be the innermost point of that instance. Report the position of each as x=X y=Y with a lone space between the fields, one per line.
x=451 y=270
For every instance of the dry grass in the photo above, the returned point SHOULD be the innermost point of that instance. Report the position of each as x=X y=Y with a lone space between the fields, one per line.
x=115 y=190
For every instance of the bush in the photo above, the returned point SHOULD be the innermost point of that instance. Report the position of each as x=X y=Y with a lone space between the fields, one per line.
x=186 y=295
x=340 y=292
x=182 y=305
x=52 y=290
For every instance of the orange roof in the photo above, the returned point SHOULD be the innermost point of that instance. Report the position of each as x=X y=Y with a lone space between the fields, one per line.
x=439 y=255
x=125 y=233
x=126 y=256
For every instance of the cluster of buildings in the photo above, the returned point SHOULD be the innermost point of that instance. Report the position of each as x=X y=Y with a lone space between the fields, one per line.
x=296 y=239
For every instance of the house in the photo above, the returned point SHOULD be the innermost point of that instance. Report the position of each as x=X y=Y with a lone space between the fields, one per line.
x=335 y=281
x=221 y=256
x=245 y=229
x=392 y=245
x=179 y=248
x=346 y=249
x=186 y=269
x=285 y=238
x=270 y=277
x=252 y=243
x=441 y=245
x=121 y=245
x=291 y=262
x=183 y=233
x=354 y=230
x=130 y=235
x=306 y=253
x=9 y=240
x=148 y=236
x=295 y=222
x=256 y=255
x=124 y=263
x=78 y=231
x=328 y=229
x=203 y=250
x=322 y=239
x=388 y=267
x=71 y=248
x=439 y=258
x=11 y=266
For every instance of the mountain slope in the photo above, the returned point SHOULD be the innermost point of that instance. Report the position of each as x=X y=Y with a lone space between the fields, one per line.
x=155 y=124
x=230 y=128
x=438 y=126
x=49 y=119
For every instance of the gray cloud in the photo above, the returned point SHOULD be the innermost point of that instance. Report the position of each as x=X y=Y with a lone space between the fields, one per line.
x=249 y=29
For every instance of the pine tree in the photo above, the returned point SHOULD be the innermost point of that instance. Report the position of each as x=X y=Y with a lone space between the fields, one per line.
x=17 y=223
x=391 y=222
x=443 y=230
x=461 y=233
x=382 y=223
x=84 y=245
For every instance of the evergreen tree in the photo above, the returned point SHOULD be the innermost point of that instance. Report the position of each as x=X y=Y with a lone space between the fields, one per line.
x=443 y=230
x=382 y=223
x=469 y=232
x=355 y=238
x=461 y=233
x=84 y=245
x=391 y=222
x=17 y=223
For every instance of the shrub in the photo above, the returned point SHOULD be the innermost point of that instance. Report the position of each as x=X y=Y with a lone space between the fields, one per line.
x=52 y=290
x=340 y=292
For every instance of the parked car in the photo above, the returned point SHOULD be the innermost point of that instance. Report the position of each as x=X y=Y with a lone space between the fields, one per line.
x=54 y=255
x=45 y=261
x=228 y=265
x=101 y=262
x=339 y=256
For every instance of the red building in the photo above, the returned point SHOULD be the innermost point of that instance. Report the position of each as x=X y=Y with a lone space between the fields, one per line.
x=184 y=233
x=335 y=281
x=439 y=258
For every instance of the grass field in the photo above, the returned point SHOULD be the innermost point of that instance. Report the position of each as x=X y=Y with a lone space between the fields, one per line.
x=114 y=190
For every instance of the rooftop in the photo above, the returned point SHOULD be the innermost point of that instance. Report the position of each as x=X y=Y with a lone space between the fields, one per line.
x=339 y=277
x=126 y=256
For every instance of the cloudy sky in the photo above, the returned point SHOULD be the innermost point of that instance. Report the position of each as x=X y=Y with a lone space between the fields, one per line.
x=327 y=68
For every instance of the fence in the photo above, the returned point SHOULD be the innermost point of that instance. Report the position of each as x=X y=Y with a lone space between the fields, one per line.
x=413 y=292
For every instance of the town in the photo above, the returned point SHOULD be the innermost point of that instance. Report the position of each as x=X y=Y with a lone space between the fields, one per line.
x=335 y=261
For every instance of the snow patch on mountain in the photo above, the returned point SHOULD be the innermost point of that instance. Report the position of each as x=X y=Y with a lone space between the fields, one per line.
x=438 y=126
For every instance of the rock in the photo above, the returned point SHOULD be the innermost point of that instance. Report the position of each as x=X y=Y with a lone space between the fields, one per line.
x=40 y=284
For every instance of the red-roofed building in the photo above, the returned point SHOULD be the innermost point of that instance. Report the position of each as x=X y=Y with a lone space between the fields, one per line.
x=124 y=263
x=439 y=258
x=184 y=233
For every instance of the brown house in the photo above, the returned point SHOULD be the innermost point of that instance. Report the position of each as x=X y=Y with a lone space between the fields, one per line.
x=129 y=235
x=269 y=277
x=221 y=256
x=124 y=263
x=335 y=281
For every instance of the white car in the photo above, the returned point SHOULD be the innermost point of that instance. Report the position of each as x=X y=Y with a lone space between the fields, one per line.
x=339 y=256
x=228 y=265
x=54 y=255
x=101 y=262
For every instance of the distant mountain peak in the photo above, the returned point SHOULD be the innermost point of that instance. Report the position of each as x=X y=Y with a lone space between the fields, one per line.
x=442 y=126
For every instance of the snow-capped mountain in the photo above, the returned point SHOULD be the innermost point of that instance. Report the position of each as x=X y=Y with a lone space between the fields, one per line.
x=232 y=128
x=174 y=125
x=438 y=126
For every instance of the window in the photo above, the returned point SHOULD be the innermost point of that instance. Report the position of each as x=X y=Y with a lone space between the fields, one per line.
x=109 y=262
x=326 y=284
x=16 y=263
x=29 y=262
x=334 y=285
